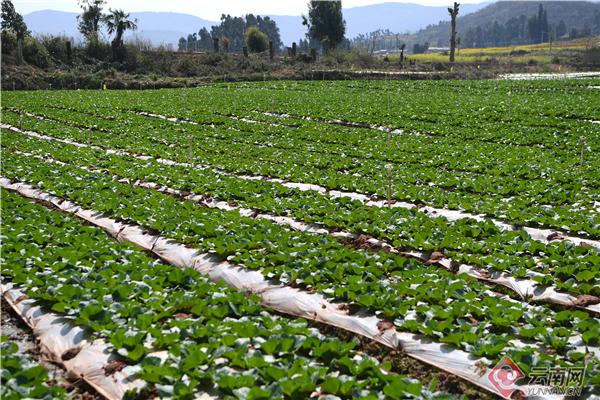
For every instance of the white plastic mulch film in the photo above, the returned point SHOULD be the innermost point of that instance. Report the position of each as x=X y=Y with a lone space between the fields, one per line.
x=279 y=298
x=527 y=289
x=70 y=347
x=541 y=235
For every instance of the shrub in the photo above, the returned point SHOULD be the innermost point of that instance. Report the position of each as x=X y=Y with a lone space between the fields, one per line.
x=35 y=53
x=131 y=57
x=592 y=56
x=97 y=49
x=256 y=40
x=187 y=67
x=9 y=42
x=56 y=46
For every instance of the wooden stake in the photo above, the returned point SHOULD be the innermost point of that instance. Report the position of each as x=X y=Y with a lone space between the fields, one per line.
x=509 y=109
x=389 y=146
x=582 y=140
x=191 y=151
x=389 y=188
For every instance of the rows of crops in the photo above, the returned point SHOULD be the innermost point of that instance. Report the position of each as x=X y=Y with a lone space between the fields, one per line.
x=433 y=221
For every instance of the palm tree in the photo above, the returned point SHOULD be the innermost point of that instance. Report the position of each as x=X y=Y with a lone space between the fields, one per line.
x=117 y=22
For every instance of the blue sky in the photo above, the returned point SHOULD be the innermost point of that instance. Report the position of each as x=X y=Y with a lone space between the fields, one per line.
x=211 y=10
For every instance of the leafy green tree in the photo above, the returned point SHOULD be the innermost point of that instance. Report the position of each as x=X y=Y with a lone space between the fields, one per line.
x=192 y=42
x=267 y=26
x=13 y=21
x=117 y=22
x=182 y=45
x=232 y=28
x=256 y=40
x=205 y=40
x=538 y=25
x=88 y=22
x=231 y=33
x=325 y=23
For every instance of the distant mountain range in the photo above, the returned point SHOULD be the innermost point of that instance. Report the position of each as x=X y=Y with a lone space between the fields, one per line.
x=158 y=27
x=424 y=23
x=162 y=27
x=397 y=17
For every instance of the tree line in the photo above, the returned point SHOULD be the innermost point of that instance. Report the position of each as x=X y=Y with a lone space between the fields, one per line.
x=325 y=31
x=524 y=30
x=232 y=32
x=89 y=23
x=324 y=22
x=116 y=22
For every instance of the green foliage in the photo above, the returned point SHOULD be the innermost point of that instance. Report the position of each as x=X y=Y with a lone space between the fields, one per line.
x=24 y=378
x=214 y=336
x=117 y=22
x=591 y=56
x=88 y=22
x=234 y=30
x=325 y=23
x=97 y=49
x=9 y=42
x=56 y=46
x=13 y=21
x=459 y=151
x=36 y=53
x=256 y=41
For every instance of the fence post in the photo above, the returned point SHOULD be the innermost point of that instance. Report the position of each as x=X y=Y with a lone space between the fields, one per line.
x=69 y=51
x=294 y=49
x=271 y=50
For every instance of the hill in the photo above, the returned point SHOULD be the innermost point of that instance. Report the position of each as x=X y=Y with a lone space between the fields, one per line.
x=397 y=17
x=575 y=14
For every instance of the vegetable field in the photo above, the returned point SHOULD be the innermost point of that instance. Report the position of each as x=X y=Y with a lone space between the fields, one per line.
x=347 y=239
